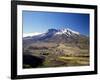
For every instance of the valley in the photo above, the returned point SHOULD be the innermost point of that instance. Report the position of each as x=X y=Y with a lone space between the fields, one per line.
x=58 y=55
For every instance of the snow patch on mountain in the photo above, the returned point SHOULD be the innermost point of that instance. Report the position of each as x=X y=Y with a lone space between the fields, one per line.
x=66 y=31
x=75 y=32
x=31 y=34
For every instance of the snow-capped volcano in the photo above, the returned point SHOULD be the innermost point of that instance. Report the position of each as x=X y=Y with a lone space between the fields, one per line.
x=55 y=35
x=66 y=31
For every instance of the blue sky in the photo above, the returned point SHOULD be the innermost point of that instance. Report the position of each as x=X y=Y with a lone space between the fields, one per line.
x=35 y=21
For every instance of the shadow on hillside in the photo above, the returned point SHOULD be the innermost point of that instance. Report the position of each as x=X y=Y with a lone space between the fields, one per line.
x=32 y=61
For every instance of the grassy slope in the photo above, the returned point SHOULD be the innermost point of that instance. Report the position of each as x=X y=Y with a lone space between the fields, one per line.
x=60 y=54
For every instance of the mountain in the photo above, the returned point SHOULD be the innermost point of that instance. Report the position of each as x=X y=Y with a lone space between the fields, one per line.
x=52 y=31
x=57 y=36
x=55 y=48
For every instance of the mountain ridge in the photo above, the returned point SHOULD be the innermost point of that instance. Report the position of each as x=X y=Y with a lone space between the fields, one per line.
x=52 y=30
x=57 y=36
